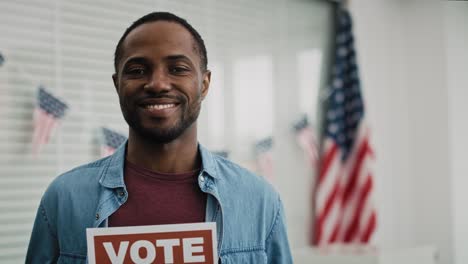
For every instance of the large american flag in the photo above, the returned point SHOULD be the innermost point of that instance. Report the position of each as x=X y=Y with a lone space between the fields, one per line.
x=48 y=112
x=264 y=157
x=344 y=211
x=111 y=140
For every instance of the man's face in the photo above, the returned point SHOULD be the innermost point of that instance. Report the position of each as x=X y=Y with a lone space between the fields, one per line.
x=160 y=82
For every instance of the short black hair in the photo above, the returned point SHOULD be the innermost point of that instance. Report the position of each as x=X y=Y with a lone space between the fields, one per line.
x=168 y=17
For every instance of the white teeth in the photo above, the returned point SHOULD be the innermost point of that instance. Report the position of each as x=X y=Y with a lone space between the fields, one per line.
x=160 y=106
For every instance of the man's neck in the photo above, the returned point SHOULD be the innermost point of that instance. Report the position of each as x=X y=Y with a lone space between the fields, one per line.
x=178 y=156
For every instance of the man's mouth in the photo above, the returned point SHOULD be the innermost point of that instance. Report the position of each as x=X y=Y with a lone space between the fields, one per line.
x=160 y=109
x=159 y=106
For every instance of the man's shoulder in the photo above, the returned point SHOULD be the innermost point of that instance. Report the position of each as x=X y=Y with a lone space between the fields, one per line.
x=91 y=167
x=239 y=179
x=85 y=174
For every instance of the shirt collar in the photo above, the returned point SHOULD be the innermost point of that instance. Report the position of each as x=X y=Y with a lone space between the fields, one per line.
x=208 y=161
x=113 y=173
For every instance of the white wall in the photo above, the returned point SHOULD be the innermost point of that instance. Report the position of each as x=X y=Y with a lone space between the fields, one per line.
x=379 y=43
x=414 y=59
x=456 y=14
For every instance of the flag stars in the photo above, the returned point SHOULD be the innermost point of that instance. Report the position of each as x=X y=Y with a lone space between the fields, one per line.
x=339 y=112
x=339 y=97
x=112 y=138
x=333 y=128
x=348 y=106
x=51 y=104
x=337 y=83
x=357 y=102
x=341 y=138
x=342 y=51
x=342 y=38
x=344 y=21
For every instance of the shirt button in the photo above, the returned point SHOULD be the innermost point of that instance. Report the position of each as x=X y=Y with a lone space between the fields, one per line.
x=202 y=178
x=97 y=216
x=121 y=193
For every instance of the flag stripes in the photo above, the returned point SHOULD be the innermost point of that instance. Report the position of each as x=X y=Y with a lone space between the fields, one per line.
x=343 y=197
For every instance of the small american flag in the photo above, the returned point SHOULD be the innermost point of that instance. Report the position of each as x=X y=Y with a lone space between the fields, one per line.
x=306 y=138
x=48 y=112
x=264 y=157
x=111 y=140
x=344 y=211
x=2 y=59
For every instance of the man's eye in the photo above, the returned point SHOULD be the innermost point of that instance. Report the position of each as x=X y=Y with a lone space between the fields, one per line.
x=136 y=71
x=178 y=70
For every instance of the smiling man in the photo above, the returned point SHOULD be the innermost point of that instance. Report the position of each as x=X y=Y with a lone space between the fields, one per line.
x=161 y=175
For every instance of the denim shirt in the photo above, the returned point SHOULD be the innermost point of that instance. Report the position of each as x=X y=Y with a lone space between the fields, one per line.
x=248 y=212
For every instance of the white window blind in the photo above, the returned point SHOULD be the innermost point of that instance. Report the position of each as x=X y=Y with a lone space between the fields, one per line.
x=67 y=46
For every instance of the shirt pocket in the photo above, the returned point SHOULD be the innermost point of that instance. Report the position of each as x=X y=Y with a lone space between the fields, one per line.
x=247 y=256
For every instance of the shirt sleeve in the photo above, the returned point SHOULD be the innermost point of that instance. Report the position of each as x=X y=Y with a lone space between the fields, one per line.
x=43 y=245
x=277 y=245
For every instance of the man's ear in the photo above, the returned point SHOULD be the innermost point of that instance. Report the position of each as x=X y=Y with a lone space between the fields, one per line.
x=206 y=83
x=115 y=80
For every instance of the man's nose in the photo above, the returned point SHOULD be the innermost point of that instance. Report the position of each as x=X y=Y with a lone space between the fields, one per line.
x=159 y=81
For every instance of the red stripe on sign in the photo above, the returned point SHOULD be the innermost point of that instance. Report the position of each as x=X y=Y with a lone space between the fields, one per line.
x=328 y=160
x=353 y=228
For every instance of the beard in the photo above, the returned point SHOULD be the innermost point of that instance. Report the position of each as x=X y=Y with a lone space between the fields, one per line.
x=189 y=114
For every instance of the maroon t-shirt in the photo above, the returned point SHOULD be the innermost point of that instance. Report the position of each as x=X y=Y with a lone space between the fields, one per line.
x=159 y=198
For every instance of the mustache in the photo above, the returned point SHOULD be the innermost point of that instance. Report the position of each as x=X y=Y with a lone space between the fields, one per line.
x=178 y=98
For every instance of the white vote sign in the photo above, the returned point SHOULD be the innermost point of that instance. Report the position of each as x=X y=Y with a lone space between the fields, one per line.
x=158 y=244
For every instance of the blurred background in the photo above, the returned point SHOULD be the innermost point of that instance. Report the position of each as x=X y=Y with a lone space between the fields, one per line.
x=271 y=62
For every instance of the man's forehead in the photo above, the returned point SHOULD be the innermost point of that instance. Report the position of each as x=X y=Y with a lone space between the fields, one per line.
x=160 y=33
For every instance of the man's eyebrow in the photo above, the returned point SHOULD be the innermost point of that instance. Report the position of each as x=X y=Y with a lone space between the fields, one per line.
x=138 y=60
x=143 y=60
x=179 y=57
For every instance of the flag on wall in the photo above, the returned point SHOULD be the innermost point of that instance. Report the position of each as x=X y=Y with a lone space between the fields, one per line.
x=48 y=112
x=111 y=140
x=2 y=59
x=264 y=157
x=305 y=136
x=344 y=211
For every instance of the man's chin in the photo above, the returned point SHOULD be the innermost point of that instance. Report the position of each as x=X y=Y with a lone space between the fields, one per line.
x=159 y=135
